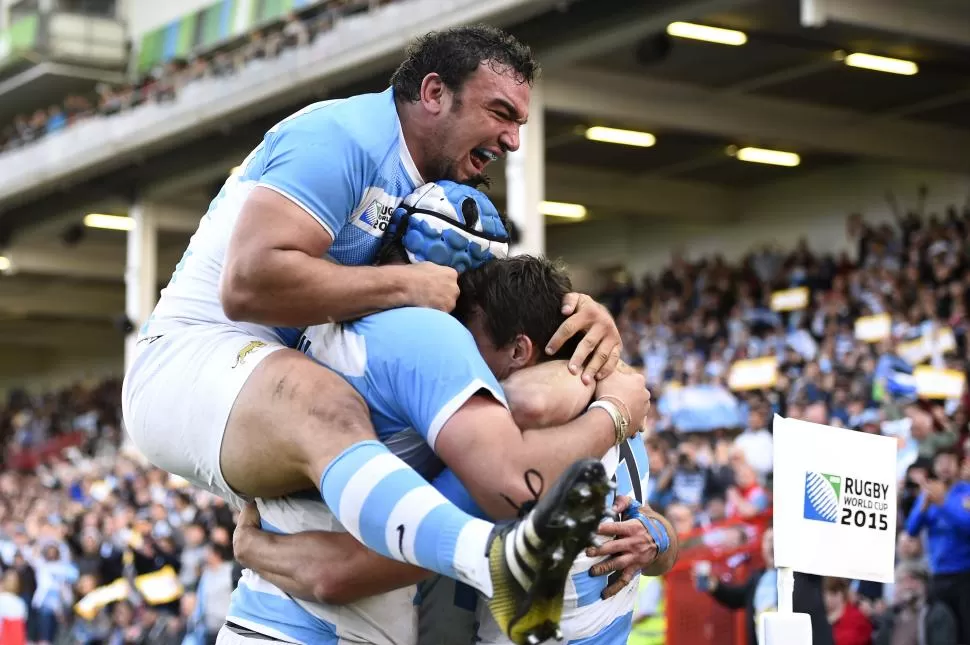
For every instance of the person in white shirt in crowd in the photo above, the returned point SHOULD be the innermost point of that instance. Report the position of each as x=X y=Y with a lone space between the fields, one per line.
x=756 y=441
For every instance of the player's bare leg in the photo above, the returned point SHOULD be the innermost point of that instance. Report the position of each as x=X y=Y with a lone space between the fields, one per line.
x=290 y=420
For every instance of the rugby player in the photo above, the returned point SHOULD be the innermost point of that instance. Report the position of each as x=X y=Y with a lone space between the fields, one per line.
x=401 y=362
x=216 y=392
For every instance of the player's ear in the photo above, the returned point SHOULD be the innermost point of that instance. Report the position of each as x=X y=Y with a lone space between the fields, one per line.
x=523 y=352
x=433 y=93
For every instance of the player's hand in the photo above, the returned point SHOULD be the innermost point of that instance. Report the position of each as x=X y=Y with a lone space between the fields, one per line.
x=631 y=550
x=432 y=285
x=247 y=526
x=601 y=344
x=630 y=387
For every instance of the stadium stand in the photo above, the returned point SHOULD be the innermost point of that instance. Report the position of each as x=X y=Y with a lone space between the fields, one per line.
x=208 y=43
x=66 y=482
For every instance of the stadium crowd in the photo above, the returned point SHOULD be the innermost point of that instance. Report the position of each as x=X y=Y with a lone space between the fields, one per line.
x=165 y=81
x=711 y=449
x=94 y=514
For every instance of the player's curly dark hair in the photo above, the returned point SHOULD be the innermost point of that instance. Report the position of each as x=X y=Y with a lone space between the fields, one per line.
x=522 y=294
x=455 y=54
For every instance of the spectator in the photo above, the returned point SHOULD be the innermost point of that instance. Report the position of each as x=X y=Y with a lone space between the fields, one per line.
x=52 y=597
x=747 y=498
x=928 y=440
x=295 y=32
x=914 y=619
x=213 y=594
x=193 y=555
x=849 y=625
x=943 y=511
x=759 y=594
x=680 y=517
x=13 y=611
x=56 y=119
x=692 y=483
x=755 y=443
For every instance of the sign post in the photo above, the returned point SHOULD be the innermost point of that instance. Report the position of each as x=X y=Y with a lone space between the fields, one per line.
x=834 y=514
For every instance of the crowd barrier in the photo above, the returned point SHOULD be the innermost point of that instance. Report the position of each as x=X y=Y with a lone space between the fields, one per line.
x=733 y=548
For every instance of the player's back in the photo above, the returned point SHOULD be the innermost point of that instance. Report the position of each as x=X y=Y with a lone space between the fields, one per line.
x=387 y=357
x=344 y=162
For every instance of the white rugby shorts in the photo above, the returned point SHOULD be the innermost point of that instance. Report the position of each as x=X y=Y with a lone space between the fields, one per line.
x=178 y=394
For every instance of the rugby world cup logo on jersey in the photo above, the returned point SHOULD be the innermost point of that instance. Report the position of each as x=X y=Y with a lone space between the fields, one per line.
x=375 y=210
x=846 y=500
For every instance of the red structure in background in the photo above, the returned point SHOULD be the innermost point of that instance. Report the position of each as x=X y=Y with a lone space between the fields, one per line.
x=28 y=459
x=733 y=548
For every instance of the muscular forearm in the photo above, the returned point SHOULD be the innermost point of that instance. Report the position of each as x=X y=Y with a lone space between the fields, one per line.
x=546 y=395
x=292 y=289
x=320 y=566
x=549 y=451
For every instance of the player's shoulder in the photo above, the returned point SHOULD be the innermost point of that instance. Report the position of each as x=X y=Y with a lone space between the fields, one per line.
x=368 y=121
x=416 y=327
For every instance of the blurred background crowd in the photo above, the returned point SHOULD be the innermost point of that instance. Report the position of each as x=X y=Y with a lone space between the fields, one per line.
x=711 y=448
x=90 y=517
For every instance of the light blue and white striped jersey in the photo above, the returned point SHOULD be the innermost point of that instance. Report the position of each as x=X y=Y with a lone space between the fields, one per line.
x=414 y=368
x=344 y=162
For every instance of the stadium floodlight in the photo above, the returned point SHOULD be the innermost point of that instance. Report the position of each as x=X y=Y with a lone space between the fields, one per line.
x=882 y=64
x=562 y=209
x=110 y=222
x=622 y=137
x=706 y=33
x=4 y=264
x=766 y=156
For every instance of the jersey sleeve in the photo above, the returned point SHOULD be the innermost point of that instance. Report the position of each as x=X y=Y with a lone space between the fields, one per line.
x=440 y=370
x=322 y=170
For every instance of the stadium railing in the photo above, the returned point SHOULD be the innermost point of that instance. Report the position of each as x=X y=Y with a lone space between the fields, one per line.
x=733 y=547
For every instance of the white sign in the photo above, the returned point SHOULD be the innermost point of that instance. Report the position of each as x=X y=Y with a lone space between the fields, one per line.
x=872 y=329
x=933 y=383
x=789 y=299
x=834 y=501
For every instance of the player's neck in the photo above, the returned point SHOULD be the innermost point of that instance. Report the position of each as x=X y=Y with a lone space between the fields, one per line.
x=414 y=133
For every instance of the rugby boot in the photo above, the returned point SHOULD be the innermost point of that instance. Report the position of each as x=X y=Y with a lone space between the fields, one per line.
x=530 y=558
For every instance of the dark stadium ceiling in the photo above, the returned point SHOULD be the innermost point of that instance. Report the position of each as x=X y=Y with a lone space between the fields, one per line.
x=784 y=60
x=781 y=60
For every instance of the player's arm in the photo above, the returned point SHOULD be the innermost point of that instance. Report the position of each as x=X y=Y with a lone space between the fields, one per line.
x=490 y=454
x=547 y=394
x=318 y=566
x=274 y=270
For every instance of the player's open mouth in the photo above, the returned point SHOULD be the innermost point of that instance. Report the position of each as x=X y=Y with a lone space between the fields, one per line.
x=481 y=157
